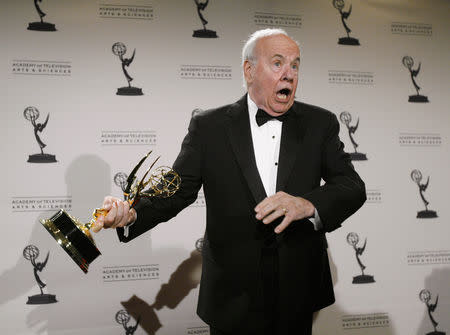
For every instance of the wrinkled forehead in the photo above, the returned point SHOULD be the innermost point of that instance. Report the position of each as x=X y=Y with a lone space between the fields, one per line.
x=277 y=45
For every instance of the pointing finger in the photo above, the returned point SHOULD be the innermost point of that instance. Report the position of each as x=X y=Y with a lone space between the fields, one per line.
x=282 y=226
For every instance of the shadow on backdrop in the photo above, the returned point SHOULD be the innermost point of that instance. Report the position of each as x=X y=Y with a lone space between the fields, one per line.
x=88 y=179
x=185 y=278
x=436 y=311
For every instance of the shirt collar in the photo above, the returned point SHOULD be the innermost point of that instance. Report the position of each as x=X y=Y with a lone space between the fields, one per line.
x=252 y=109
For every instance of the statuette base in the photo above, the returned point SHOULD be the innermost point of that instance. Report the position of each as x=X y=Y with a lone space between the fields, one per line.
x=42 y=299
x=41 y=26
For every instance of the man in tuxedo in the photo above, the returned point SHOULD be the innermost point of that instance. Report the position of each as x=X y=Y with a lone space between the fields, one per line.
x=260 y=162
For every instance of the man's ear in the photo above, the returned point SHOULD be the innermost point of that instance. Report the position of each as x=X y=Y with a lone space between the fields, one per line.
x=248 y=71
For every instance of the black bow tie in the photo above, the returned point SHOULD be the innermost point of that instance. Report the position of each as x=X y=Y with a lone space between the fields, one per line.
x=262 y=117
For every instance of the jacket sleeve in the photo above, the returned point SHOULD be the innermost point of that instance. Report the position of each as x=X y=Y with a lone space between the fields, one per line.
x=151 y=211
x=343 y=192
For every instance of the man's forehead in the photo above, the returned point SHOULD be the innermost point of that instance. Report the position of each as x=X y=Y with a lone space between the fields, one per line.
x=278 y=46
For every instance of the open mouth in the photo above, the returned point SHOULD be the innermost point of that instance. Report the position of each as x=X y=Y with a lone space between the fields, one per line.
x=283 y=94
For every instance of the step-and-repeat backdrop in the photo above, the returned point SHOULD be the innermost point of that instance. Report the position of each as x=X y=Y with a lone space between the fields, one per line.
x=89 y=87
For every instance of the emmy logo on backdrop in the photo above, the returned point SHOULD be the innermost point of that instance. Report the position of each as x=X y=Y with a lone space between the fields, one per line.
x=122 y=318
x=30 y=253
x=40 y=25
x=346 y=118
x=425 y=297
x=353 y=239
x=76 y=239
x=119 y=49
x=199 y=244
x=416 y=176
x=408 y=62
x=120 y=179
x=203 y=33
x=339 y=5
x=32 y=114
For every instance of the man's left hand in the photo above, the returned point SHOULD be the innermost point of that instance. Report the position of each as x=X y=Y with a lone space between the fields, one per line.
x=283 y=204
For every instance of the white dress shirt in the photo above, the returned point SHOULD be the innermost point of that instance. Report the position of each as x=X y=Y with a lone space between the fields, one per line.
x=266 y=145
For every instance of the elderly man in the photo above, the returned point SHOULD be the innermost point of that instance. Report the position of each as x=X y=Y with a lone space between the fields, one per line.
x=260 y=162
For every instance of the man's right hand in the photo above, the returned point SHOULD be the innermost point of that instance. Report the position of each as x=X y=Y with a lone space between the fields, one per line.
x=119 y=214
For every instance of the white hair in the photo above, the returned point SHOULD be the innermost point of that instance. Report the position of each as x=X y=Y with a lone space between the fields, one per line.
x=249 y=46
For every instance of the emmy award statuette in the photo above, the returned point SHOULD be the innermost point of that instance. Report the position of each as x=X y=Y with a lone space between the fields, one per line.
x=122 y=318
x=339 y=5
x=203 y=33
x=119 y=49
x=408 y=62
x=425 y=297
x=30 y=253
x=346 y=118
x=416 y=176
x=32 y=114
x=75 y=237
x=40 y=25
x=353 y=239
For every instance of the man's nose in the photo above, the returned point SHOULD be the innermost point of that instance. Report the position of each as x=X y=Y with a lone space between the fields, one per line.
x=289 y=74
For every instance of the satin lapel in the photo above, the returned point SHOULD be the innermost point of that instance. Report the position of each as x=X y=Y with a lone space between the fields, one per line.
x=240 y=137
x=291 y=139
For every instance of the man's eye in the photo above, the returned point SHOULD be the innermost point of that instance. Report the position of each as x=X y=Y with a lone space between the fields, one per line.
x=277 y=64
x=295 y=66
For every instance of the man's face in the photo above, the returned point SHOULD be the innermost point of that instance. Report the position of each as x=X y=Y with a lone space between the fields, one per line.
x=272 y=80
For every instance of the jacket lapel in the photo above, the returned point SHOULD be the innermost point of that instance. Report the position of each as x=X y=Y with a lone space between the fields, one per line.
x=291 y=138
x=240 y=137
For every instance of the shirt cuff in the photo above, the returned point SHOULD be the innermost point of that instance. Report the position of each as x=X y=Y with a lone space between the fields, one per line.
x=317 y=223
x=126 y=229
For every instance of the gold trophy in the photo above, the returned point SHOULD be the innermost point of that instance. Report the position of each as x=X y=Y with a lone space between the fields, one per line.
x=75 y=237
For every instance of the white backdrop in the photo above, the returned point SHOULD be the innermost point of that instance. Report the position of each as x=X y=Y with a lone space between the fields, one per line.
x=156 y=276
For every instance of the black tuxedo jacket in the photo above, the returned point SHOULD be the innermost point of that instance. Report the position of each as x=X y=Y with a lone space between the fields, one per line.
x=217 y=153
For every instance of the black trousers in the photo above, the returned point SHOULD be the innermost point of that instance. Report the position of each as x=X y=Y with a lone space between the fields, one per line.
x=304 y=327
x=268 y=320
